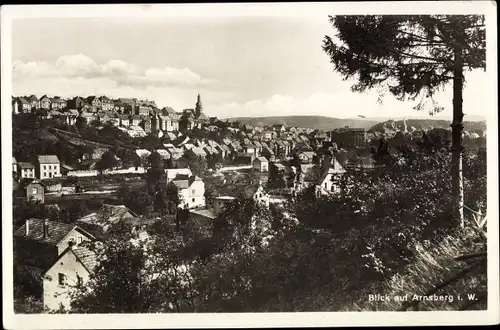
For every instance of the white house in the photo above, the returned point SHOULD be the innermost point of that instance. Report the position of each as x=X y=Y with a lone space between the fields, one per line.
x=306 y=157
x=329 y=180
x=40 y=242
x=191 y=191
x=261 y=164
x=72 y=268
x=26 y=170
x=49 y=166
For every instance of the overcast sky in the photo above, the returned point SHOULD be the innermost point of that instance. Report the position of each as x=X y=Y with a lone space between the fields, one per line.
x=241 y=66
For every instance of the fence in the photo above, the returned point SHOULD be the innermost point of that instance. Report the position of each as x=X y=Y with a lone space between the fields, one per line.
x=131 y=170
x=88 y=173
x=235 y=168
x=83 y=173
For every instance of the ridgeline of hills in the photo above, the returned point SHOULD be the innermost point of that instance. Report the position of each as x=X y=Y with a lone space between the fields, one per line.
x=425 y=124
x=315 y=122
x=327 y=123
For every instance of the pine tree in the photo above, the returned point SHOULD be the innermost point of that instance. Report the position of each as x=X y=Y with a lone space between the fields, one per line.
x=413 y=56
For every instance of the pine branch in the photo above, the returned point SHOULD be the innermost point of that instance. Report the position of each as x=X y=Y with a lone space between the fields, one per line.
x=430 y=41
x=413 y=56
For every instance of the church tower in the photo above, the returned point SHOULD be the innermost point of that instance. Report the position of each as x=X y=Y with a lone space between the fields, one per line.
x=199 y=107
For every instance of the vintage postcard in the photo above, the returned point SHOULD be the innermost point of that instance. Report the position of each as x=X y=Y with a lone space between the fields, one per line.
x=249 y=165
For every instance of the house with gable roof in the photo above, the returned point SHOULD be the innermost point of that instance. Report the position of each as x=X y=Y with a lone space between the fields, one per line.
x=306 y=157
x=261 y=164
x=58 y=103
x=106 y=103
x=35 y=191
x=35 y=103
x=39 y=243
x=72 y=268
x=94 y=102
x=330 y=178
x=100 y=222
x=26 y=170
x=191 y=190
x=45 y=102
x=48 y=166
x=21 y=105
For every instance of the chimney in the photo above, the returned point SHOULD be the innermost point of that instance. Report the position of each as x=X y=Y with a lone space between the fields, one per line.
x=27 y=227
x=45 y=228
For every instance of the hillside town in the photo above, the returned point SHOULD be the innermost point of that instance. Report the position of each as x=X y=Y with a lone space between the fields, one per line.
x=207 y=163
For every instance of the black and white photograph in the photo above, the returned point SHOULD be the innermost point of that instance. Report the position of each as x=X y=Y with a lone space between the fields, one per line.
x=245 y=164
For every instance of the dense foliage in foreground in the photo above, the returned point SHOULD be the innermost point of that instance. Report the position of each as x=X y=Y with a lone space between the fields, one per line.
x=312 y=254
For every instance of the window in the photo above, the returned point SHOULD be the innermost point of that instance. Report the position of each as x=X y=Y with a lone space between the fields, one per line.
x=193 y=200
x=44 y=167
x=326 y=184
x=62 y=279
x=34 y=191
x=50 y=167
x=80 y=239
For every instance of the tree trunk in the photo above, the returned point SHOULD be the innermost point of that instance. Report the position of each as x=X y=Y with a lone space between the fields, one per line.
x=456 y=142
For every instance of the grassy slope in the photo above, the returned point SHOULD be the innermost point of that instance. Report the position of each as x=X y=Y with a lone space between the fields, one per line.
x=433 y=266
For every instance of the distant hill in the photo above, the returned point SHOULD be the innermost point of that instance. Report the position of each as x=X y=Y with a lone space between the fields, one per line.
x=429 y=123
x=445 y=118
x=315 y=122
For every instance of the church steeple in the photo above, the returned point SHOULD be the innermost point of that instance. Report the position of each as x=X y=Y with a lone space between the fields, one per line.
x=199 y=107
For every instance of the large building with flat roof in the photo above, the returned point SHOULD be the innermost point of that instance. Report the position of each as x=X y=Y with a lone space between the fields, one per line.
x=349 y=138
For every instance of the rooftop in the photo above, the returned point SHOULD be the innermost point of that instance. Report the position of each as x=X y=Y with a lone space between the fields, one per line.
x=107 y=215
x=86 y=256
x=207 y=213
x=56 y=231
x=48 y=159
x=225 y=197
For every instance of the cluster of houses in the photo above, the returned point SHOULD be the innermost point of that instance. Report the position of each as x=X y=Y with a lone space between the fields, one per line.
x=134 y=116
x=54 y=257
